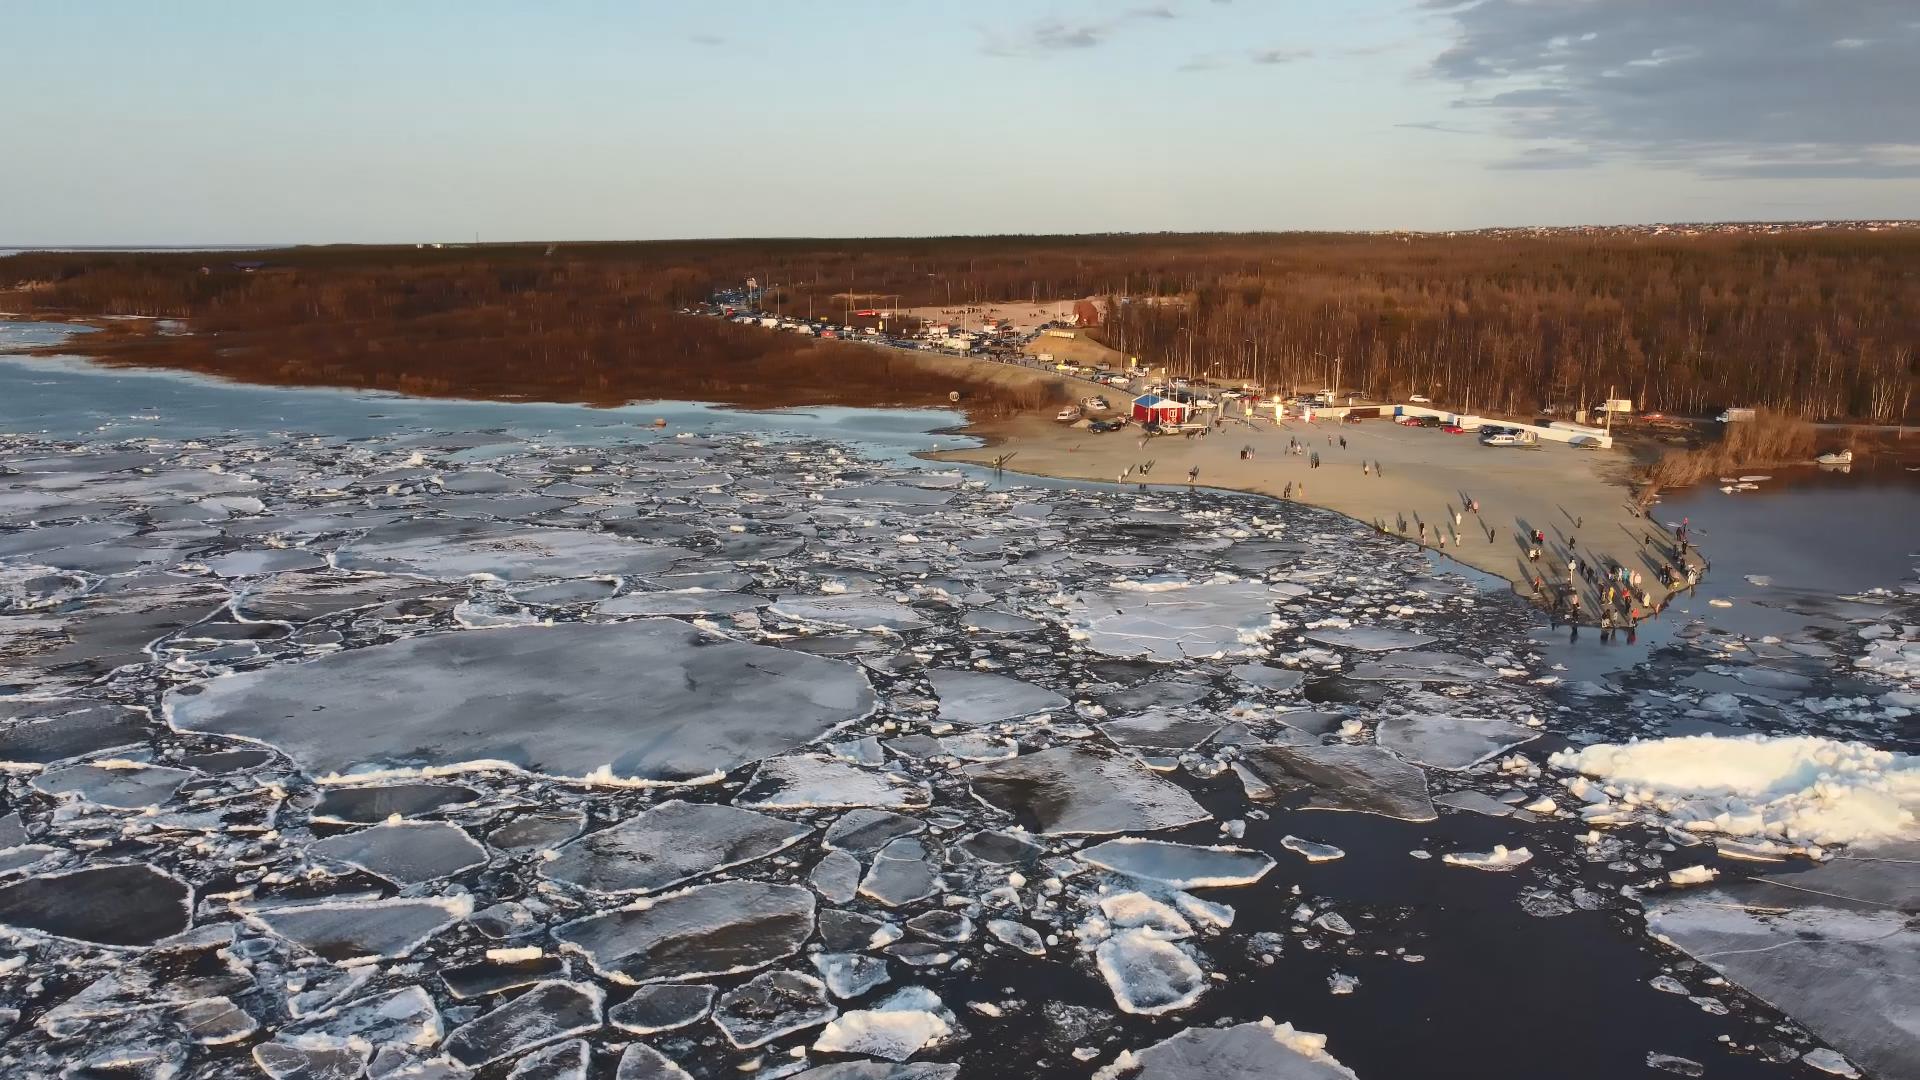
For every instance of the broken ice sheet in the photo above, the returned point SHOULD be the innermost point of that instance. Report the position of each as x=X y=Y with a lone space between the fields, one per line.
x=1162 y=730
x=855 y=611
x=1148 y=975
x=668 y=844
x=810 y=781
x=770 y=1005
x=662 y=1007
x=562 y=1061
x=405 y=852
x=1174 y=624
x=48 y=732
x=347 y=931
x=372 y=805
x=1450 y=742
x=1371 y=638
x=718 y=929
x=1261 y=1050
x=122 y=785
x=451 y=548
x=1182 y=866
x=1364 y=779
x=123 y=904
x=549 y=1012
x=1423 y=667
x=981 y=697
x=1076 y=789
x=708 y=704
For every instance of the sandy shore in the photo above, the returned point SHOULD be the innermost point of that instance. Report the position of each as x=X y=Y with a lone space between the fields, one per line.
x=1578 y=498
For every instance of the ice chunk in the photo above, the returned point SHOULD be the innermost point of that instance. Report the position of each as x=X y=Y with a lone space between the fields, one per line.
x=372 y=805
x=707 y=705
x=406 y=852
x=718 y=929
x=879 y=1070
x=538 y=830
x=662 y=1007
x=1795 y=787
x=281 y=1061
x=1829 y=1062
x=980 y=697
x=1077 y=789
x=401 y=1018
x=687 y=602
x=1182 y=866
x=836 y=876
x=1176 y=625
x=1001 y=848
x=345 y=931
x=1423 y=667
x=1017 y=935
x=1848 y=976
x=121 y=785
x=1312 y=849
x=668 y=844
x=849 y=974
x=1500 y=858
x=48 y=732
x=893 y=1034
x=549 y=1012
x=1371 y=638
x=449 y=548
x=808 y=781
x=900 y=874
x=864 y=832
x=1138 y=911
x=1474 y=802
x=1257 y=1051
x=564 y=1061
x=1161 y=730
x=1364 y=779
x=1148 y=975
x=770 y=1005
x=1449 y=742
x=123 y=904
x=642 y=1062
x=494 y=975
x=855 y=611
x=1268 y=677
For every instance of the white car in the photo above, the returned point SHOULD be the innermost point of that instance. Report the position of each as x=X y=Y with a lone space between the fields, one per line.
x=1504 y=438
x=1419 y=399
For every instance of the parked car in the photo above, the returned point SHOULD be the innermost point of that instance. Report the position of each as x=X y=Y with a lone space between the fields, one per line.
x=1454 y=429
x=1430 y=421
x=1409 y=421
x=1419 y=399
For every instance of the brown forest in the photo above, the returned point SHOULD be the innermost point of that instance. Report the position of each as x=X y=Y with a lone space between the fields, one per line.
x=1824 y=325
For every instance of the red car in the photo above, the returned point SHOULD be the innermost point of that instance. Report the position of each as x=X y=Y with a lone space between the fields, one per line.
x=1409 y=421
x=1454 y=429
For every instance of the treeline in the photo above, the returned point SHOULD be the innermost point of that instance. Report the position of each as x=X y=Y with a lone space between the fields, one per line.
x=490 y=325
x=1824 y=325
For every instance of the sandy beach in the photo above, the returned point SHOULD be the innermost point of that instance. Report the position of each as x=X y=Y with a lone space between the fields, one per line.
x=1389 y=476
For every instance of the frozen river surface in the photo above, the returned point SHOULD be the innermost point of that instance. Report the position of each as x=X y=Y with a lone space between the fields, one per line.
x=347 y=736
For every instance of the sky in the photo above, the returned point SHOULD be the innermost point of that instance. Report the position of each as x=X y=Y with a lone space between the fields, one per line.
x=216 y=122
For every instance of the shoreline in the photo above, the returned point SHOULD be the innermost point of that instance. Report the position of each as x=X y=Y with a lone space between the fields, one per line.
x=1424 y=492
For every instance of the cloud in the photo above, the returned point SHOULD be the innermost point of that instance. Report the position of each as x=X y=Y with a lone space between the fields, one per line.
x=1435 y=125
x=1731 y=88
x=1212 y=61
x=708 y=39
x=1279 y=56
x=1057 y=34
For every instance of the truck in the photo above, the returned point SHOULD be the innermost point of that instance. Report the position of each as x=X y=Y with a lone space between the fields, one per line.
x=1735 y=416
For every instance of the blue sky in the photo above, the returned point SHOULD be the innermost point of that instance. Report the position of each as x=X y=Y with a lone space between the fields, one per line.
x=421 y=120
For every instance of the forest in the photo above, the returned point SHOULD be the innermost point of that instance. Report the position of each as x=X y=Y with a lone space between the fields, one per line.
x=1817 y=324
